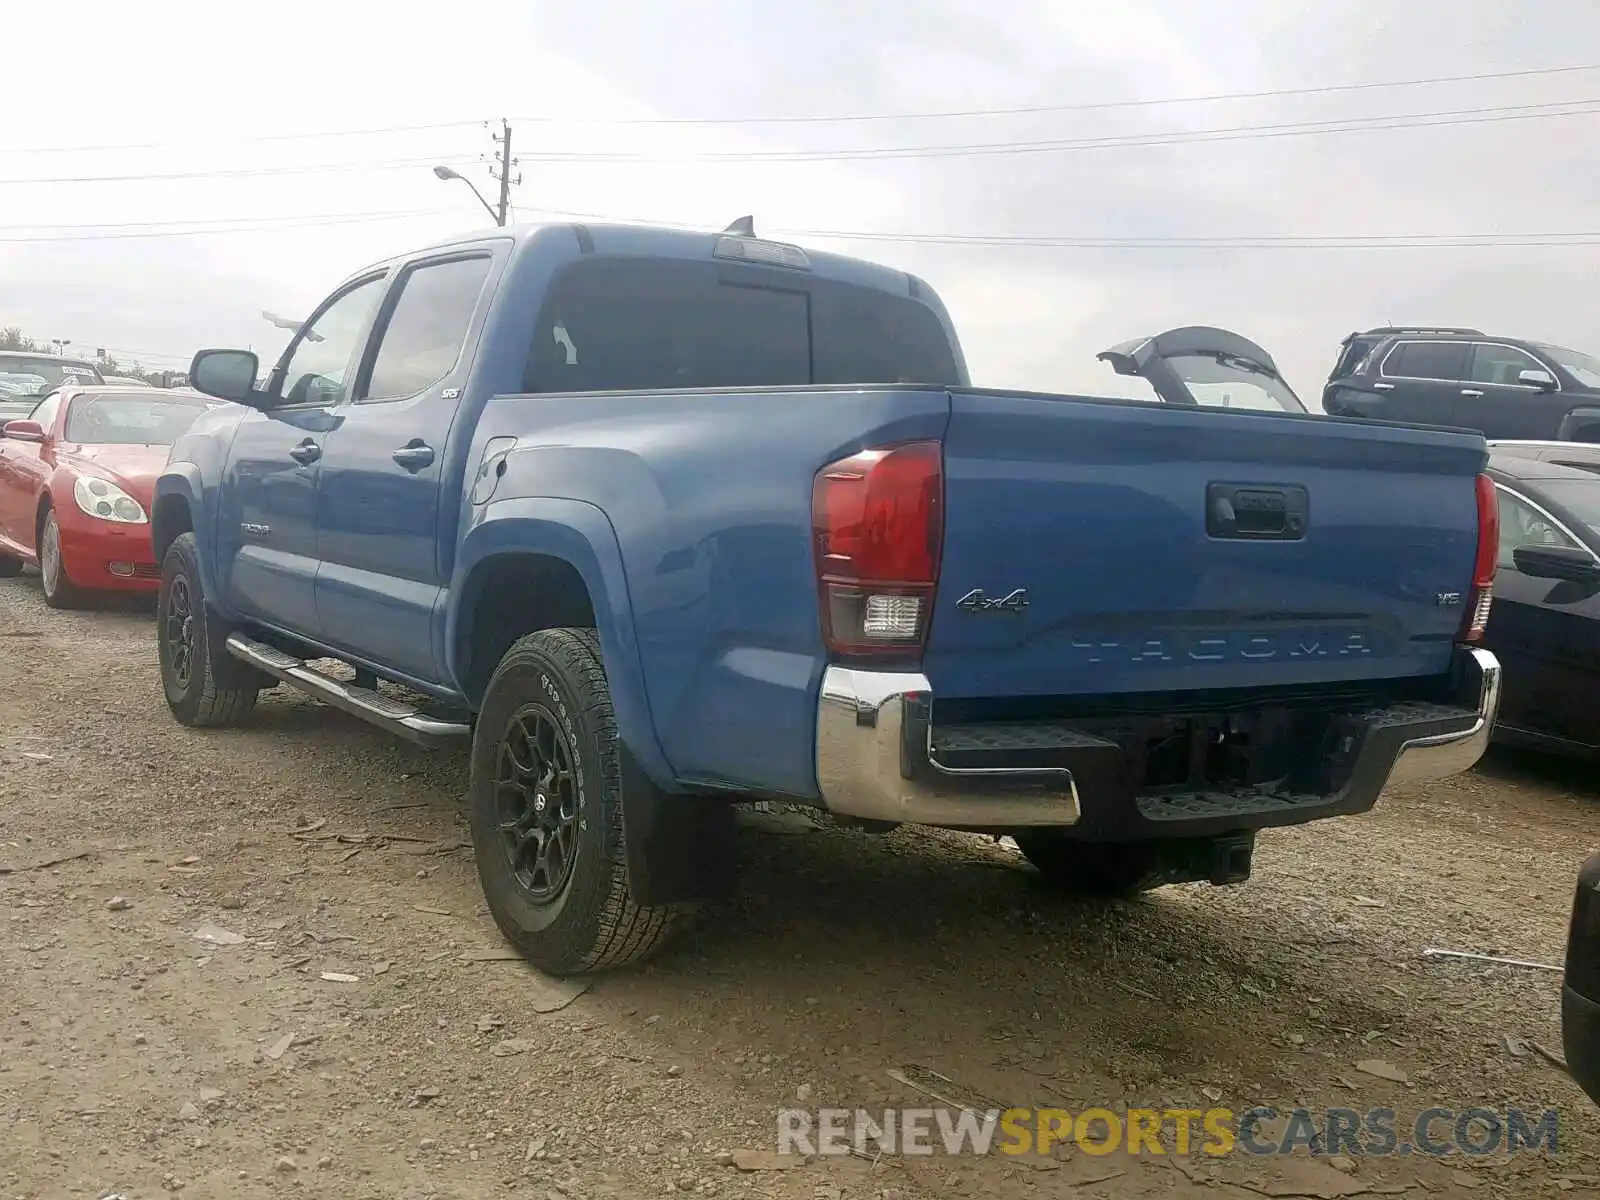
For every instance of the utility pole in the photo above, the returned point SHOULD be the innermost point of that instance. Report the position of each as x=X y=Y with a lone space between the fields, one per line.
x=503 y=215
x=499 y=168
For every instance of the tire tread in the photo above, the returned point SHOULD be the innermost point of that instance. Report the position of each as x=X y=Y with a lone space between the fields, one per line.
x=228 y=688
x=625 y=932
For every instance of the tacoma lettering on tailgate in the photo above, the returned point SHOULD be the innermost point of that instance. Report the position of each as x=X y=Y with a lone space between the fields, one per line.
x=1225 y=646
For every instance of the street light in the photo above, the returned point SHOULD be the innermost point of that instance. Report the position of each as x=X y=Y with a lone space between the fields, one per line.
x=443 y=172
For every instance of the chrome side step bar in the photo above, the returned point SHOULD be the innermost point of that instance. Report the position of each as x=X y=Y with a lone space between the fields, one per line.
x=405 y=720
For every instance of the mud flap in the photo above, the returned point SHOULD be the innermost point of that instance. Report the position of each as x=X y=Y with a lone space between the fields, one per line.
x=678 y=847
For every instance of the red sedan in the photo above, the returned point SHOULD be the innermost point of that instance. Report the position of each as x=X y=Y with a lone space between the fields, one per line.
x=76 y=481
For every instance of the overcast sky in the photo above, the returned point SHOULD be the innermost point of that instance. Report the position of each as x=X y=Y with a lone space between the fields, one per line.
x=207 y=88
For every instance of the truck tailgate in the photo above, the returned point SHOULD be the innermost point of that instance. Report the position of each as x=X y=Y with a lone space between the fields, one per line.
x=1170 y=549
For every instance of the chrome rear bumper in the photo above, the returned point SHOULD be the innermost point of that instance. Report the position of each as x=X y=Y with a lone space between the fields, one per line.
x=876 y=759
x=1424 y=759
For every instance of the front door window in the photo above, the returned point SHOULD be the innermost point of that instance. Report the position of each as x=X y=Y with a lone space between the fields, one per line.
x=316 y=367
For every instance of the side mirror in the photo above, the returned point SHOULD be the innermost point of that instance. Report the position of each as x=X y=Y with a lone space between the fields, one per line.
x=227 y=375
x=23 y=431
x=1556 y=562
x=1539 y=379
x=1580 y=996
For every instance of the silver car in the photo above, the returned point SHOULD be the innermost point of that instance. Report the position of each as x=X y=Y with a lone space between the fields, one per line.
x=26 y=376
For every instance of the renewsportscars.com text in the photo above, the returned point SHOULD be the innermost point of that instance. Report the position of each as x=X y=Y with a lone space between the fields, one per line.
x=1376 y=1132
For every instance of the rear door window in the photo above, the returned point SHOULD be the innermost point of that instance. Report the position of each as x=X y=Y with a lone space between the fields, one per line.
x=427 y=326
x=638 y=324
x=1427 y=360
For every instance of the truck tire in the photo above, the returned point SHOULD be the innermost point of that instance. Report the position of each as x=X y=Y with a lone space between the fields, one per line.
x=1090 y=868
x=205 y=686
x=546 y=811
x=59 y=591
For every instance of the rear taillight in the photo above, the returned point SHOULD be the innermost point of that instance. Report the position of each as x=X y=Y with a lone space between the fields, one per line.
x=1481 y=597
x=877 y=518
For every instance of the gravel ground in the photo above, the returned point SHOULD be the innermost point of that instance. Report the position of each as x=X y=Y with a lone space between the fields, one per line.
x=136 y=1058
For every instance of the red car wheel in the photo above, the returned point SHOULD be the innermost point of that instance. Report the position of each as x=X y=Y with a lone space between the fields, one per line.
x=59 y=591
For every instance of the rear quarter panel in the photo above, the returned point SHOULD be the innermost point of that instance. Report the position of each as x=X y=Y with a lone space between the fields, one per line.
x=709 y=494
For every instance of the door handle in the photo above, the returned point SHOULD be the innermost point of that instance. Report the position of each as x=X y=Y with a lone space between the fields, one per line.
x=1383 y=387
x=414 y=456
x=306 y=453
x=1471 y=392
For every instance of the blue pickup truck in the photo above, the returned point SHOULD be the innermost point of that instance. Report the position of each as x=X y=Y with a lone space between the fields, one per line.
x=663 y=522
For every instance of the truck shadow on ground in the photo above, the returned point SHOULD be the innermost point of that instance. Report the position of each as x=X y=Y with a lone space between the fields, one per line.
x=844 y=955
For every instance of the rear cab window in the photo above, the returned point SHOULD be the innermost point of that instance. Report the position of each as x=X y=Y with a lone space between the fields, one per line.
x=624 y=324
x=1427 y=360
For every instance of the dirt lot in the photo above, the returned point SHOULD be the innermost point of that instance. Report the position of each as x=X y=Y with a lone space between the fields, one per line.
x=136 y=1058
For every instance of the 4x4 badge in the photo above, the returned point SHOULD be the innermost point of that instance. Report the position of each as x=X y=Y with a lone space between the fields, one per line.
x=975 y=601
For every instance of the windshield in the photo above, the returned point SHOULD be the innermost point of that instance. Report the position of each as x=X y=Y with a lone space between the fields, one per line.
x=1218 y=381
x=130 y=420
x=1584 y=368
x=1580 y=497
x=22 y=376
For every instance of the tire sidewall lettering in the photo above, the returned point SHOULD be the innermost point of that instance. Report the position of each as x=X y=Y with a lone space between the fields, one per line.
x=574 y=739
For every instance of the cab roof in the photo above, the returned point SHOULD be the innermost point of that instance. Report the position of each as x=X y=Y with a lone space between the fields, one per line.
x=659 y=241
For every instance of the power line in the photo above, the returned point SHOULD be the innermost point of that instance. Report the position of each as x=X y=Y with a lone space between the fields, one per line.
x=1229 y=242
x=1449 y=117
x=308 y=135
x=1466 y=241
x=244 y=172
x=121 y=353
x=282 y=218
x=1025 y=241
x=155 y=229
x=1038 y=109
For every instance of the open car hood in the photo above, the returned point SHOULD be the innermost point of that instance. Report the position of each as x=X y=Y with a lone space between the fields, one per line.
x=1196 y=365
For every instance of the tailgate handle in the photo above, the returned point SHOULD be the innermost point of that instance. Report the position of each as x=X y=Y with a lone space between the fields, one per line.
x=1257 y=511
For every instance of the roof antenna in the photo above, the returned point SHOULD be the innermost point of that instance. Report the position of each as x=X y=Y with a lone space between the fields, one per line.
x=743 y=227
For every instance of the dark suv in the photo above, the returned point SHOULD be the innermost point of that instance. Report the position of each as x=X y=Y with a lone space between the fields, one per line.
x=1502 y=387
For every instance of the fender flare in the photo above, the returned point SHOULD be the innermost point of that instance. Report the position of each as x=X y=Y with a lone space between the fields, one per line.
x=183 y=480
x=580 y=534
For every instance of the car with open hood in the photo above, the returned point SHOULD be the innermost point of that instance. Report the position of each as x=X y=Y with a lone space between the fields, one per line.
x=1202 y=366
